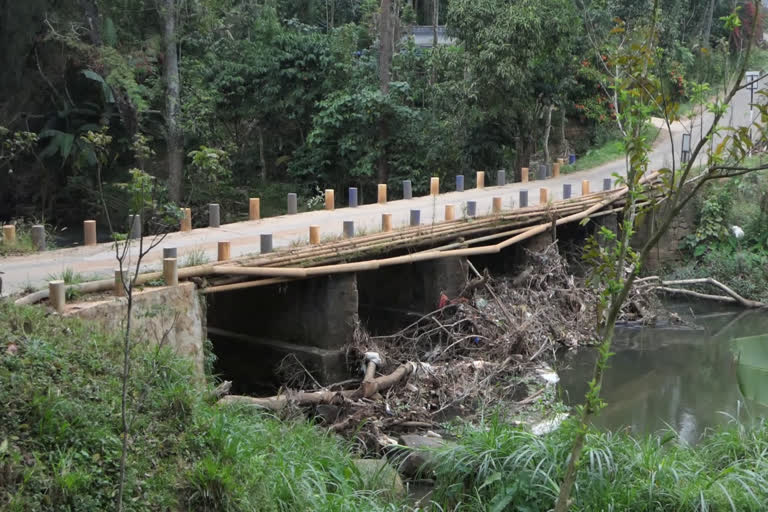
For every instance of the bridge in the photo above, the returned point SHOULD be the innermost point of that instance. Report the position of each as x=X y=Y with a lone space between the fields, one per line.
x=301 y=283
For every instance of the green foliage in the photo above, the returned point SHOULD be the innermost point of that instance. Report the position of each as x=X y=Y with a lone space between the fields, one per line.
x=496 y=466
x=60 y=433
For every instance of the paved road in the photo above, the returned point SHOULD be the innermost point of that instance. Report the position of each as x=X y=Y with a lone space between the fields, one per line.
x=99 y=261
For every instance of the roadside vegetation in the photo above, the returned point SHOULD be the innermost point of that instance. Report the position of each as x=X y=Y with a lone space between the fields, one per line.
x=730 y=240
x=60 y=433
x=608 y=151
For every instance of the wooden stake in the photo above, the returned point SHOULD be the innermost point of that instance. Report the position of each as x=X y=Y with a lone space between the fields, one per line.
x=89 y=232
x=480 y=179
x=382 y=193
x=9 y=235
x=170 y=272
x=57 y=295
x=524 y=175
x=386 y=222
x=496 y=205
x=543 y=195
x=186 y=219
x=434 y=186
x=450 y=212
x=254 y=208
x=585 y=188
x=314 y=235
x=224 y=251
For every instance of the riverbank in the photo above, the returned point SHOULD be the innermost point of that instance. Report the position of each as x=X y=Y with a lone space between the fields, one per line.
x=60 y=446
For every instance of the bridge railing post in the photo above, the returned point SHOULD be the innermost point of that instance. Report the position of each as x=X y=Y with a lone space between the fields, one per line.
x=223 y=251
x=585 y=188
x=38 y=237
x=382 y=192
x=353 y=197
x=214 y=215
x=524 y=175
x=496 y=208
x=501 y=178
x=459 y=183
x=254 y=208
x=434 y=186
x=293 y=203
x=566 y=190
x=89 y=233
x=314 y=235
x=186 y=220
x=265 y=243
x=349 y=229
x=523 y=198
x=9 y=235
x=471 y=208
x=57 y=295
x=170 y=272
x=480 y=179
x=386 y=222
x=543 y=195
x=407 y=189
x=330 y=199
x=450 y=212
x=556 y=170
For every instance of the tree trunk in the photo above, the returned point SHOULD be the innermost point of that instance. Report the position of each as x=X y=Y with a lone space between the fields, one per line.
x=435 y=21
x=262 y=160
x=708 y=24
x=386 y=43
x=175 y=136
x=563 y=140
x=547 y=128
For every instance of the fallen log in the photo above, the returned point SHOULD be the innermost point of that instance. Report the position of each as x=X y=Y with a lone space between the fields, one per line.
x=369 y=388
x=731 y=296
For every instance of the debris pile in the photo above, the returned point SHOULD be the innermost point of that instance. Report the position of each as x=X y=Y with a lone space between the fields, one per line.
x=482 y=347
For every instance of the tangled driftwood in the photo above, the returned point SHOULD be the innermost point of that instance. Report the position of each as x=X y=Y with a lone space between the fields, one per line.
x=731 y=297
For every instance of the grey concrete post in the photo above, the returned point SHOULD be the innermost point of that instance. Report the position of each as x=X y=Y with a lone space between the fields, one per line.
x=38 y=237
x=349 y=228
x=501 y=177
x=607 y=184
x=352 y=197
x=170 y=252
x=292 y=203
x=57 y=295
x=523 y=198
x=471 y=208
x=214 y=215
x=459 y=183
x=415 y=217
x=265 y=243
x=134 y=227
x=407 y=189
x=542 y=174
x=567 y=190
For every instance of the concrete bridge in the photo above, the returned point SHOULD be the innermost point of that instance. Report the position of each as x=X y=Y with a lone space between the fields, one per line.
x=301 y=283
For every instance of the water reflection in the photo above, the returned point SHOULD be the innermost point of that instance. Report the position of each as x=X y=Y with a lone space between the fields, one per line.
x=686 y=379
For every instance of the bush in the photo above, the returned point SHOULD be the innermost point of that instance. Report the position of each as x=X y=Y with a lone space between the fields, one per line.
x=60 y=433
x=502 y=467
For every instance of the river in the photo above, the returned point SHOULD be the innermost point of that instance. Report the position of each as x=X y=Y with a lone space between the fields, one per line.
x=688 y=379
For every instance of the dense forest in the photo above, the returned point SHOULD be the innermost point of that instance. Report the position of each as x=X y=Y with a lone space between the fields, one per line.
x=222 y=99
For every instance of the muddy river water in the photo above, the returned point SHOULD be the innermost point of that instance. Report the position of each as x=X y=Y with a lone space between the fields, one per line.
x=688 y=379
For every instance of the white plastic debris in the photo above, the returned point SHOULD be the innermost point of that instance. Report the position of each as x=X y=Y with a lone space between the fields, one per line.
x=547 y=426
x=373 y=357
x=549 y=375
x=737 y=232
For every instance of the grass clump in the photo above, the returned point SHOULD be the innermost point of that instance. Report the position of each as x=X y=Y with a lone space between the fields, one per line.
x=60 y=433
x=502 y=467
x=194 y=258
x=607 y=152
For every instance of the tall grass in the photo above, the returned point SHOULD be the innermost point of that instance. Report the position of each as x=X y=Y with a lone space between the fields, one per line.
x=60 y=433
x=501 y=467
